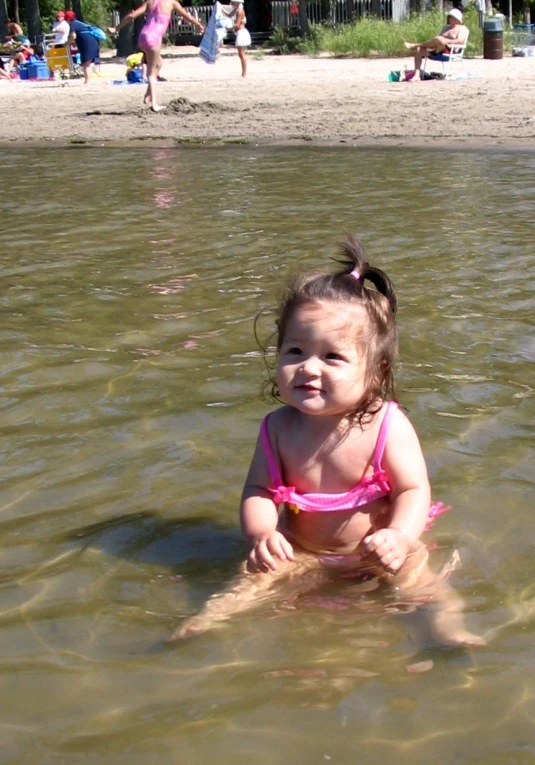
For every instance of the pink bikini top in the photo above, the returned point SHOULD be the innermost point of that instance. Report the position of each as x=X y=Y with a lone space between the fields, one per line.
x=367 y=490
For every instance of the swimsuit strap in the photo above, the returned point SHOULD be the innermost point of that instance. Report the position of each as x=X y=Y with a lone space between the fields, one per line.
x=383 y=434
x=273 y=468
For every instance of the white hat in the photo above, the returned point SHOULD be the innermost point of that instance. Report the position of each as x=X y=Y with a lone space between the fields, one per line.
x=455 y=13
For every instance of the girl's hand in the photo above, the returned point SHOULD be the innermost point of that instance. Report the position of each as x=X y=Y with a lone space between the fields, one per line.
x=266 y=549
x=390 y=546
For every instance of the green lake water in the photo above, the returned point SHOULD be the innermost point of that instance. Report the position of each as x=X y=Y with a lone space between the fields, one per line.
x=130 y=403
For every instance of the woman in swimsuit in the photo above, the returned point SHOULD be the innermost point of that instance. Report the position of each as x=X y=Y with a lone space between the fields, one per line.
x=151 y=36
x=340 y=457
x=454 y=33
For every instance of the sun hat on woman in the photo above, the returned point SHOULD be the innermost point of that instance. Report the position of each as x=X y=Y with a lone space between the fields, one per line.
x=455 y=13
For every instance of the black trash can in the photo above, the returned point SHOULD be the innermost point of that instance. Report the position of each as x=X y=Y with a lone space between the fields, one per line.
x=493 y=38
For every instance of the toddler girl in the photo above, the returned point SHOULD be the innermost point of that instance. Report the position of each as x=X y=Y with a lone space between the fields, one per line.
x=340 y=457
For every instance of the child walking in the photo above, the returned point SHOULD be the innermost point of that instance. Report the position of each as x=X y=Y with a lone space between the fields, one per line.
x=158 y=17
x=338 y=481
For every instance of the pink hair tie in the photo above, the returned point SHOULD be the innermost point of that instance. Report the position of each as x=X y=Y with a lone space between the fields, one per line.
x=355 y=274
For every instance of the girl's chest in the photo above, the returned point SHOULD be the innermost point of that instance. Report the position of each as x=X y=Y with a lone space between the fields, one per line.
x=329 y=467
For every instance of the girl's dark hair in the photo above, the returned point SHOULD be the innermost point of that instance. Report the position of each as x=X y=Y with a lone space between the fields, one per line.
x=356 y=283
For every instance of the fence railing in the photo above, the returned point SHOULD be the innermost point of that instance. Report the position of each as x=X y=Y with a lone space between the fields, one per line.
x=178 y=26
x=285 y=14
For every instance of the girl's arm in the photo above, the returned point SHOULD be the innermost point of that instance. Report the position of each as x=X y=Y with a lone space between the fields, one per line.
x=187 y=16
x=128 y=18
x=406 y=470
x=259 y=518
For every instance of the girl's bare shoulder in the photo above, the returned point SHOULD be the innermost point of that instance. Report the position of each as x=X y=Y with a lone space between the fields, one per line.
x=280 y=420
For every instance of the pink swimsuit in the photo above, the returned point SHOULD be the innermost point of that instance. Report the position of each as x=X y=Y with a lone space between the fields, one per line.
x=367 y=490
x=155 y=27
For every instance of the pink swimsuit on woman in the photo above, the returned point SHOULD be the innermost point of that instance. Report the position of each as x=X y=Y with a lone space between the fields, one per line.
x=155 y=27
x=367 y=490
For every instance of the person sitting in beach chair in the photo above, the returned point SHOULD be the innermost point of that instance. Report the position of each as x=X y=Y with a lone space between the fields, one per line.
x=61 y=30
x=21 y=57
x=453 y=35
x=13 y=32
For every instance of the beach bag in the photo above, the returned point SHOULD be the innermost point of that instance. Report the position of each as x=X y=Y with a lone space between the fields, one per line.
x=394 y=76
x=95 y=31
x=135 y=75
x=432 y=76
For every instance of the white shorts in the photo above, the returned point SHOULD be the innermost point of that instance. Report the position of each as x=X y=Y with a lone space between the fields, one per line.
x=243 y=38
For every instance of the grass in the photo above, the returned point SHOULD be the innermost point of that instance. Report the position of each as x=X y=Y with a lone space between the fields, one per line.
x=370 y=36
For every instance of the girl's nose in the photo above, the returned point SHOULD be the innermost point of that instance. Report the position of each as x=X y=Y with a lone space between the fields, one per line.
x=310 y=366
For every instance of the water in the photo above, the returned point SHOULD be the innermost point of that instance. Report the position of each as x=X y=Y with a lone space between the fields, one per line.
x=130 y=401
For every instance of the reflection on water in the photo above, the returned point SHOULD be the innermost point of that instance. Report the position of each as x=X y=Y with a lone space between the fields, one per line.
x=130 y=404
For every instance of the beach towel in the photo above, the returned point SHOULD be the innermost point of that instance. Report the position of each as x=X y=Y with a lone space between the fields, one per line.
x=209 y=46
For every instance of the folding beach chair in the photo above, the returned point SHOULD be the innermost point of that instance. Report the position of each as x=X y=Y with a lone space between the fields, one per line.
x=455 y=56
x=59 y=59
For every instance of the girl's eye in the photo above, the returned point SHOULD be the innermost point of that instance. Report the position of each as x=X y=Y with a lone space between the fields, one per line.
x=294 y=351
x=334 y=357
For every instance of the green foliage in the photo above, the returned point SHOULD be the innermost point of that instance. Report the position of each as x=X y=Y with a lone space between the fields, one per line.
x=371 y=36
x=95 y=12
x=284 y=41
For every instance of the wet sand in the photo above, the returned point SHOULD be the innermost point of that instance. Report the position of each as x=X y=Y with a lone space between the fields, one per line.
x=284 y=99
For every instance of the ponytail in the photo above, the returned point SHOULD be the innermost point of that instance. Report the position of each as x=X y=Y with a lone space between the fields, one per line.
x=357 y=267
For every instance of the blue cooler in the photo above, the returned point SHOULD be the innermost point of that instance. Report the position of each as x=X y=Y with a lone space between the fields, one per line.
x=23 y=72
x=38 y=71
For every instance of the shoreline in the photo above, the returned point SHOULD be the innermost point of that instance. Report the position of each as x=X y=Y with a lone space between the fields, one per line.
x=193 y=143
x=290 y=100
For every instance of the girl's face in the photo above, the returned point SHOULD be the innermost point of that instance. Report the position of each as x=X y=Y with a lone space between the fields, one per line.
x=321 y=370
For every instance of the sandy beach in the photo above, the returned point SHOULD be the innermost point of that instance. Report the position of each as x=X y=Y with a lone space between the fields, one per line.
x=284 y=99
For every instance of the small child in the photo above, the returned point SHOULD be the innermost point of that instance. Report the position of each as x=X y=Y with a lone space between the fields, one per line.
x=136 y=67
x=243 y=38
x=340 y=456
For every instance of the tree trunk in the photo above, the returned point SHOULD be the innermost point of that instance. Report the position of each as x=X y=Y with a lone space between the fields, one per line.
x=125 y=40
x=137 y=27
x=33 y=18
x=303 y=18
x=77 y=8
x=350 y=11
x=527 y=12
x=16 y=11
x=3 y=17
